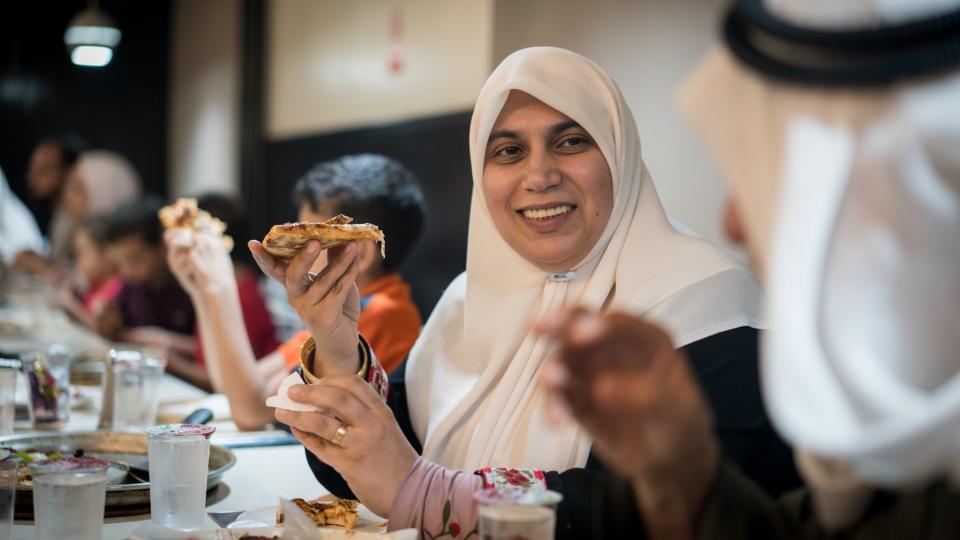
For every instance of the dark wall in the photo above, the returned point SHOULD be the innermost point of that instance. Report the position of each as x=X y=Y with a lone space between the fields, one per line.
x=121 y=107
x=435 y=149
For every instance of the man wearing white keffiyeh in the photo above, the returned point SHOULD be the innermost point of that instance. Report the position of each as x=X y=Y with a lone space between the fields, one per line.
x=837 y=125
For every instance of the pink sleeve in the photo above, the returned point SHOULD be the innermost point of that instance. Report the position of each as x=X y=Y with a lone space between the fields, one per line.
x=436 y=501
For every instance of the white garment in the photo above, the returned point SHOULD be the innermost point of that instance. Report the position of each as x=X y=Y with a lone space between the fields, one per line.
x=474 y=393
x=863 y=363
x=18 y=229
x=862 y=360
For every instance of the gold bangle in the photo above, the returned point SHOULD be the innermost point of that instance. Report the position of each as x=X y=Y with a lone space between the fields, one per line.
x=365 y=358
x=308 y=349
x=306 y=356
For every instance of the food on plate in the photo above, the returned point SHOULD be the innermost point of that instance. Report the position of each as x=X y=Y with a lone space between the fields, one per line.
x=285 y=241
x=342 y=513
x=184 y=214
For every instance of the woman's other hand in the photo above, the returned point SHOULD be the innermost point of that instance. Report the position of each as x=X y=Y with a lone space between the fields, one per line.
x=373 y=456
x=328 y=302
x=623 y=380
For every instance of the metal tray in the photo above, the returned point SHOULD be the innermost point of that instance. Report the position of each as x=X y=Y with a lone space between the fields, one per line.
x=127 y=498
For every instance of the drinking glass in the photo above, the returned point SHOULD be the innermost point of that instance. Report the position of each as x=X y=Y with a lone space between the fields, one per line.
x=507 y=513
x=69 y=497
x=179 y=456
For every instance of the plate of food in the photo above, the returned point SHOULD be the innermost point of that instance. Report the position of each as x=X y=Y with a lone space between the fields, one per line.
x=326 y=511
x=324 y=518
x=128 y=486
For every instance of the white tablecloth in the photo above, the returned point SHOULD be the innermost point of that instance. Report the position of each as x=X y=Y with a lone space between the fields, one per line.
x=259 y=478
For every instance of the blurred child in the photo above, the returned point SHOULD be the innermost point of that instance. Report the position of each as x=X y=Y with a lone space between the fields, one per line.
x=94 y=283
x=151 y=308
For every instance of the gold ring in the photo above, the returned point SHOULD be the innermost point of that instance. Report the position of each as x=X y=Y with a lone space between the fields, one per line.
x=339 y=435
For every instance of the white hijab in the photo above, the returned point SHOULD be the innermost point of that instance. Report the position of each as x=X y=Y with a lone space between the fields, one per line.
x=110 y=180
x=862 y=361
x=475 y=397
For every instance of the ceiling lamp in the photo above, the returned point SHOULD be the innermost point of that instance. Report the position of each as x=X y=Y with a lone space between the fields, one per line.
x=91 y=37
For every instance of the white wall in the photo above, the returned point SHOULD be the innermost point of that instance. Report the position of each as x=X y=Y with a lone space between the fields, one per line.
x=647 y=46
x=205 y=97
x=327 y=62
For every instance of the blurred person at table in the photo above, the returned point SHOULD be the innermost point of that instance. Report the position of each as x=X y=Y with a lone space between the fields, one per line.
x=837 y=125
x=18 y=230
x=151 y=308
x=93 y=283
x=50 y=162
x=99 y=182
x=369 y=188
x=261 y=332
x=564 y=212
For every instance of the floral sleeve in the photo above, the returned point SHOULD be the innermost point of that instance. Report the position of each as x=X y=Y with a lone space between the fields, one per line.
x=376 y=375
x=438 y=501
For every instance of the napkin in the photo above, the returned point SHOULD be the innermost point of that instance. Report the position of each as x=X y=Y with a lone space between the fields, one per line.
x=282 y=401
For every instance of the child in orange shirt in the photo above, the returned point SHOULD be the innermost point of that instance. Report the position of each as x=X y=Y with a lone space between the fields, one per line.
x=371 y=189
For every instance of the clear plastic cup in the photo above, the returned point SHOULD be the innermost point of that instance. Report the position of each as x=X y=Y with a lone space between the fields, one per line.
x=48 y=374
x=8 y=392
x=179 y=456
x=68 y=498
x=508 y=513
x=136 y=393
x=9 y=465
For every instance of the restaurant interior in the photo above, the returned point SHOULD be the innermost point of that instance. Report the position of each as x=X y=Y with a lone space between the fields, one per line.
x=175 y=362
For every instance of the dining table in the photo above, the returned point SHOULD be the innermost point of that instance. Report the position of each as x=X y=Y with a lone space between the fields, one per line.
x=270 y=465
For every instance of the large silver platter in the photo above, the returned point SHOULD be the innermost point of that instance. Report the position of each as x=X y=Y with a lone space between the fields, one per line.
x=131 y=448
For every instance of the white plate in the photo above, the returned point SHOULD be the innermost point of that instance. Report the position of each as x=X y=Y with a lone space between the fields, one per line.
x=267 y=517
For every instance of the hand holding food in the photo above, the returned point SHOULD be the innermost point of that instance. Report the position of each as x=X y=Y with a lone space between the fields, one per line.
x=328 y=302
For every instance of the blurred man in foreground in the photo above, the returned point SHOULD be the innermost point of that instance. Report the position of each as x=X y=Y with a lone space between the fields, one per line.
x=837 y=127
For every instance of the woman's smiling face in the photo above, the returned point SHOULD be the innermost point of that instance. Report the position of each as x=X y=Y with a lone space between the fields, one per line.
x=546 y=184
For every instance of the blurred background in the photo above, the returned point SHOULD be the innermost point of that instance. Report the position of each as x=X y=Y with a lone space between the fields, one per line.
x=244 y=96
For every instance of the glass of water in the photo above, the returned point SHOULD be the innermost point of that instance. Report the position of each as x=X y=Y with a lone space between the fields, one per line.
x=68 y=498
x=8 y=392
x=9 y=466
x=508 y=513
x=136 y=393
x=179 y=456
x=48 y=373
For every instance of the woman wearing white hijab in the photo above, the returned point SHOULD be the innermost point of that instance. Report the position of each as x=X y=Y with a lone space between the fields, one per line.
x=563 y=213
x=100 y=182
x=848 y=116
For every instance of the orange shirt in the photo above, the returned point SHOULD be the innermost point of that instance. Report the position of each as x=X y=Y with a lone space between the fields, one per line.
x=389 y=320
